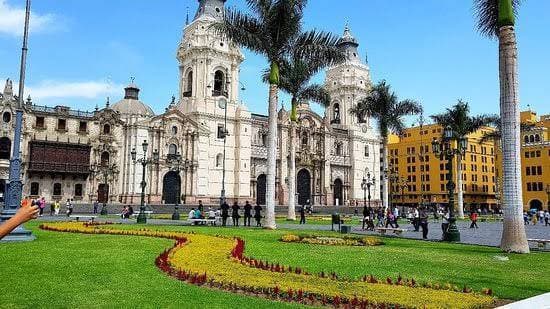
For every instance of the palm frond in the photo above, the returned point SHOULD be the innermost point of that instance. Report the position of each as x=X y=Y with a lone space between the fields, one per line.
x=320 y=47
x=316 y=93
x=243 y=29
x=486 y=12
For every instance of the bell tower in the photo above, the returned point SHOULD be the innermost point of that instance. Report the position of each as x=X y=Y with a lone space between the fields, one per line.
x=347 y=83
x=208 y=64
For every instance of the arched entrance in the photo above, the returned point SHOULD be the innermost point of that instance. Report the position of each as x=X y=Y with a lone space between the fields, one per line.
x=304 y=187
x=261 y=187
x=338 y=192
x=171 y=186
x=535 y=204
x=102 y=193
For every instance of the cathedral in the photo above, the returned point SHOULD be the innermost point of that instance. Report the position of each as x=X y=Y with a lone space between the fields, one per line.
x=205 y=141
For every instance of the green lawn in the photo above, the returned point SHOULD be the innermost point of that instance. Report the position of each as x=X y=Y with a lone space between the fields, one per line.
x=73 y=270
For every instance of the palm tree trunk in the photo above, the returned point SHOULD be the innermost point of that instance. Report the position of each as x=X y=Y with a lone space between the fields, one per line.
x=513 y=234
x=385 y=193
x=460 y=199
x=272 y=147
x=292 y=175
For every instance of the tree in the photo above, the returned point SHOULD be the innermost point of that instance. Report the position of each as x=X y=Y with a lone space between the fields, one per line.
x=496 y=19
x=459 y=120
x=383 y=105
x=295 y=79
x=273 y=29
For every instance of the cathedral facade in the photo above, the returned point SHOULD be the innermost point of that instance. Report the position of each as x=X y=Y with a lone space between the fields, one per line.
x=205 y=141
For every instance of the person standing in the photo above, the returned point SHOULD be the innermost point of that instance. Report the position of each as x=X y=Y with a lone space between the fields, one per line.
x=225 y=212
x=247 y=213
x=235 y=214
x=416 y=219
x=201 y=206
x=52 y=208
x=56 y=207
x=302 y=215
x=96 y=206
x=473 y=218
x=41 y=204
x=258 y=215
x=423 y=220
x=365 y=216
x=546 y=218
x=69 y=207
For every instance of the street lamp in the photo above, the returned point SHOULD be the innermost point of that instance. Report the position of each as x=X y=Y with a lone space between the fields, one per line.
x=403 y=184
x=175 y=162
x=144 y=161
x=222 y=103
x=14 y=190
x=548 y=196
x=366 y=184
x=445 y=150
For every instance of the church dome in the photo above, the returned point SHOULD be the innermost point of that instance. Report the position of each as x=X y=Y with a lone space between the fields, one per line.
x=131 y=105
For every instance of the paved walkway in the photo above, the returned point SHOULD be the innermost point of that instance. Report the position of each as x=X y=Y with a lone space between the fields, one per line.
x=488 y=233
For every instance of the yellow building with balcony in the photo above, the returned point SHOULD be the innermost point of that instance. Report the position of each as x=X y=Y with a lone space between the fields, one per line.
x=535 y=161
x=419 y=176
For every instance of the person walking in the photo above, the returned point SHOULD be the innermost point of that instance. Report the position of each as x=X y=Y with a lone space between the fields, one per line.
x=247 y=213
x=546 y=218
x=302 y=215
x=423 y=221
x=96 y=206
x=258 y=215
x=541 y=216
x=41 y=205
x=473 y=218
x=390 y=219
x=235 y=214
x=225 y=212
x=534 y=218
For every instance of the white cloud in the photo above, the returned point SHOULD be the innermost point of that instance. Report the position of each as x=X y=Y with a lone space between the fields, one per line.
x=12 y=20
x=84 y=90
x=52 y=89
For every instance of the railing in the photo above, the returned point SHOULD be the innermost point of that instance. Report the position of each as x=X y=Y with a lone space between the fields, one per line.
x=59 y=168
x=54 y=110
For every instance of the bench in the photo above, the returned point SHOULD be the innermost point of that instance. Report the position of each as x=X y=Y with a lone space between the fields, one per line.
x=542 y=244
x=205 y=221
x=148 y=213
x=78 y=217
x=384 y=230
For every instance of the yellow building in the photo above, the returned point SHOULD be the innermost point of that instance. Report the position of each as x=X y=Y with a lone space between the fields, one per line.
x=422 y=176
x=535 y=160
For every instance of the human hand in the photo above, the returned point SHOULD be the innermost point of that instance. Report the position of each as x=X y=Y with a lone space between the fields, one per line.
x=26 y=213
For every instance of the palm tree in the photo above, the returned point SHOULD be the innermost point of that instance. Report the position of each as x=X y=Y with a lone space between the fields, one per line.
x=295 y=80
x=459 y=120
x=496 y=19
x=383 y=105
x=273 y=29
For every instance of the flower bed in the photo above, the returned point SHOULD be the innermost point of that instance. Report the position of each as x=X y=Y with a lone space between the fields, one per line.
x=219 y=262
x=333 y=241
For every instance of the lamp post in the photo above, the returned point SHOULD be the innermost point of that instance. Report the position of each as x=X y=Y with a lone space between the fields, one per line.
x=223 y=104
x=175 y=162
x=366 y=184
x=403 y=185
x=144 y=161
x=445 y=150
x=548 y=196
x=15 y=185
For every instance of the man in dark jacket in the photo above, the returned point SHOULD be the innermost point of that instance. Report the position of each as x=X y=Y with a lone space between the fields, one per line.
x=247 y=213
x=258 y=215
x=235 y=214
x=225 y=213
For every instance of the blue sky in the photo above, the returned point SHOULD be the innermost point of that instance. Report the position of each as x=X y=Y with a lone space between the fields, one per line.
x=83 y=51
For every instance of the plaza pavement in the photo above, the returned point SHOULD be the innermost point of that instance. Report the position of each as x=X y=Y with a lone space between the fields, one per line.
x=488 y=233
